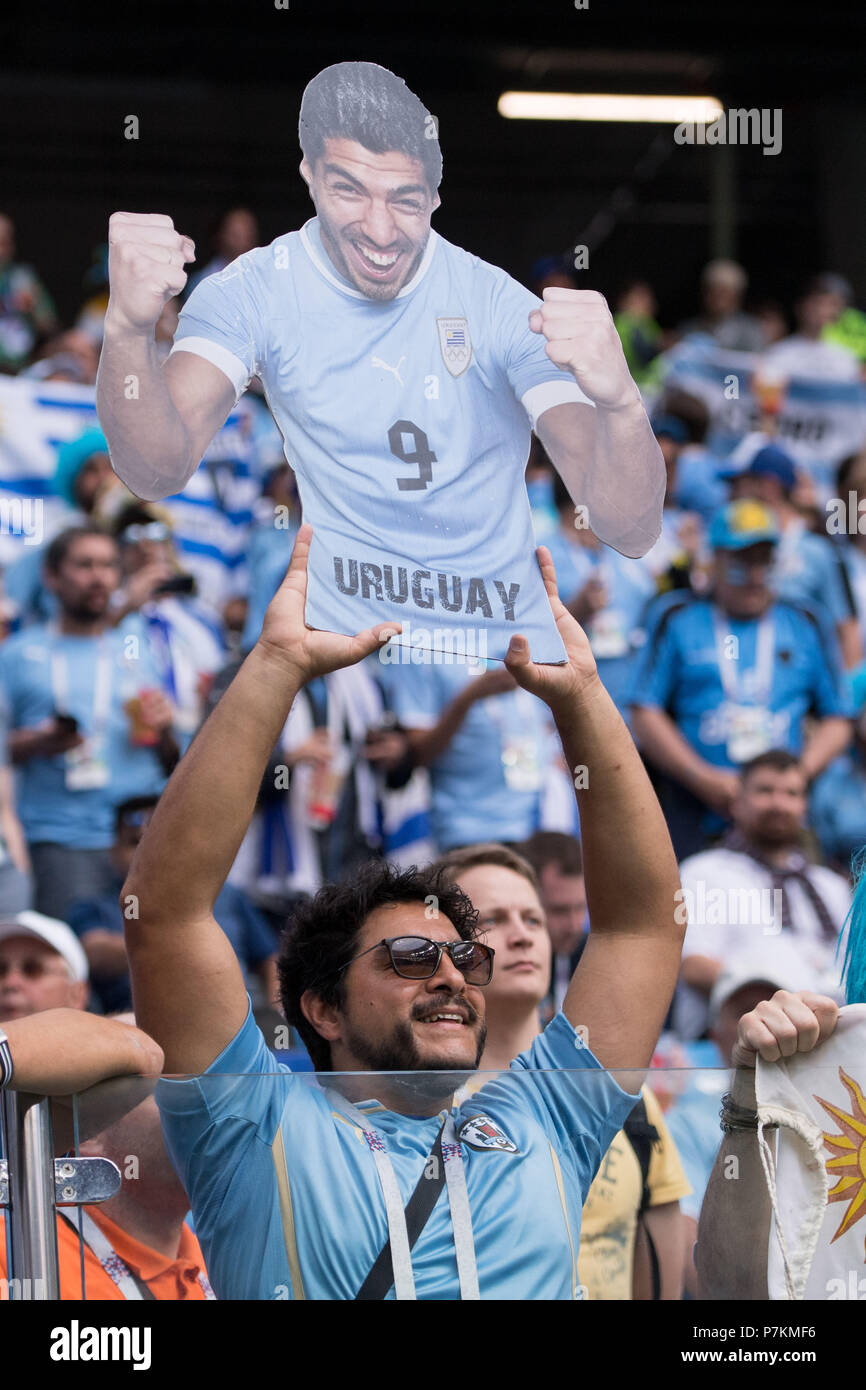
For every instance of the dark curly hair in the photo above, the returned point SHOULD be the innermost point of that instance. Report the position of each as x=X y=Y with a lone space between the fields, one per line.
x=367 y=103
x=322 y=935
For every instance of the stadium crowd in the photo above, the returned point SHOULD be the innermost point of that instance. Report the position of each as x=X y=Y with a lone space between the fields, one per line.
x=734 y=650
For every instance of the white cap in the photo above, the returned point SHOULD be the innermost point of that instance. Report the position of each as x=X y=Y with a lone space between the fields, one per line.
x=54 y=933
x=777 y=962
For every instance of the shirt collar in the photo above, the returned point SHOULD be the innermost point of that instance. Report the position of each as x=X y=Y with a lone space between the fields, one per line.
x=311 y=240
x=144 y=1261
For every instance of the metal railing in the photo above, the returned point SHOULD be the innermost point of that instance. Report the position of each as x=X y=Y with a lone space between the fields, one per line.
x=33 y=1184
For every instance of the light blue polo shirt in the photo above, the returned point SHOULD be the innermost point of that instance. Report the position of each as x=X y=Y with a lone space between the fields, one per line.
x=470 y=795
x=286 y=1197
x=680 y=673
x=48 y=809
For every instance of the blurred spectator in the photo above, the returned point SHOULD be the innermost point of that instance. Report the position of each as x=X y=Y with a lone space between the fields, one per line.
x=552 y=270
x=184 y=643
x=848 y=326
x=685 y=422
x=605 y=591
x=837 y=810
x=320 y=808
x=91 y=315
x=773 y=320
x=807 y=352
x=640 y=335
x=26 y=311
x=680 y=547
x=807 y=569
x=276 y=519
x=630 y=1229
x=71 y=356
x=749 y=977
x=88 y=484
x=89 y=723
x=98 y=922
x=16 y=885
x=539 y=477
x=236 y=232
x=723 y=288
x=42 y=966
x=755 y=885
x=851 y=489
x=136 y=1245
x=485 y=741
x=558 y=864
x=730 y=676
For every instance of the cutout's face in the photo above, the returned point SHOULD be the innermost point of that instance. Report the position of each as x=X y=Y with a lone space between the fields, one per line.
x=374 y=211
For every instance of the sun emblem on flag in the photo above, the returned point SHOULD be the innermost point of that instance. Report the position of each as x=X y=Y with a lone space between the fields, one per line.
x=848 y=1164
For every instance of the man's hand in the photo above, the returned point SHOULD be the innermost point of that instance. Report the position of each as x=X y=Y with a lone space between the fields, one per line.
x=307 y=652
x=582 y=338
x=141 y=586
x=783 y=1025
x=717 y=787
x=591 y=598
x=145 y=267
x=555 y=685
x=317 y=749
x=157 y=711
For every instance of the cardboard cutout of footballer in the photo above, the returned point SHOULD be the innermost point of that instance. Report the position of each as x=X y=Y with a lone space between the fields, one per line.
x=405 y=375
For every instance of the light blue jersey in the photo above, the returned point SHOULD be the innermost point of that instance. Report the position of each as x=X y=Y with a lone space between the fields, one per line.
x=32 y=665
x=286 y=1197
x=488 y=782
x=408 y=425
x=614 y=633
x=681 y=671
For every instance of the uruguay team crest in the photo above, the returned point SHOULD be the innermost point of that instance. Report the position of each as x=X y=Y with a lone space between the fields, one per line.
x=455 y=344
x=479 y=1132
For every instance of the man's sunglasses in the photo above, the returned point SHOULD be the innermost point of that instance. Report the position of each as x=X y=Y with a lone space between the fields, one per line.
x=417 y=958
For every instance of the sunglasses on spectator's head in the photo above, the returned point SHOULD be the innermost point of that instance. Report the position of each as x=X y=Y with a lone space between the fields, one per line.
x=417 y=958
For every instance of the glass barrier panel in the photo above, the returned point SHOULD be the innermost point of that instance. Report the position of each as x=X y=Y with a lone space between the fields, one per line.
x=561 y=1183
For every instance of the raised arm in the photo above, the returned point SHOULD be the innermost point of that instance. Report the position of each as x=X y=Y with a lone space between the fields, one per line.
x=187 y=984
x=605 y=453
x=734 y=1229
x=61 y=1051
x=158 y=418
x=622 y=988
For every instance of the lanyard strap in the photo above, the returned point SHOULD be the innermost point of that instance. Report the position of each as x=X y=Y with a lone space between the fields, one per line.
x=101 y=685
x=729 y=670
x=133 y=1288
x=458 y=1201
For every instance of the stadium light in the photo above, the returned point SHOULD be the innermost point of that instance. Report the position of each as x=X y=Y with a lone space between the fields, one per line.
x=578 y=106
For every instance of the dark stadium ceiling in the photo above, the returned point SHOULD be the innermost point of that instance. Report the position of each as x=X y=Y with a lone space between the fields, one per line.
x=771 y=50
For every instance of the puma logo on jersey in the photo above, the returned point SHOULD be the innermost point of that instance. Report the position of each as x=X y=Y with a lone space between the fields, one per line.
x=377 y=362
